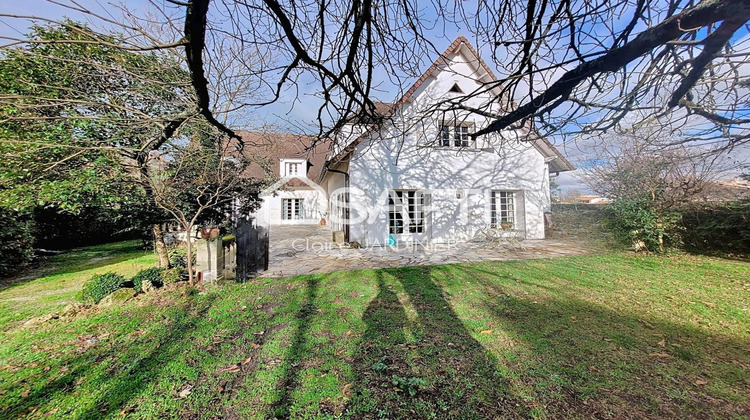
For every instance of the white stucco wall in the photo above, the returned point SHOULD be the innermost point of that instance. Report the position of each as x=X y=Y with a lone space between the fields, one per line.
x=314 y=208
x=392 y=160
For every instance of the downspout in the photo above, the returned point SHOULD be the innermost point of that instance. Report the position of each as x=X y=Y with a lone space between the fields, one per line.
x=346 y=199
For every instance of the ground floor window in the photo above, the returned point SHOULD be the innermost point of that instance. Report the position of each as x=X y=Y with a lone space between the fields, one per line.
x=338 y=211
x=503 y=208
x=406 y=211
x=292 y=208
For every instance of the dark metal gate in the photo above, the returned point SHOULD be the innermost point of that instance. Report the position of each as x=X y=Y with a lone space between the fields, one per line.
x=252 y=250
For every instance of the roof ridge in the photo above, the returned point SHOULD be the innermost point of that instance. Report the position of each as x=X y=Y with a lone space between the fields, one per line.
x=452 y=48
x=425 y=75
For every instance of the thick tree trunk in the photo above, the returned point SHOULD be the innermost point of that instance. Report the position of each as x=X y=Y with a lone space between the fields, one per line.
x=160 y=247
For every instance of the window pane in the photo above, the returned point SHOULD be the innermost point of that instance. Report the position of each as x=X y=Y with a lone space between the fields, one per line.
x=502 y=208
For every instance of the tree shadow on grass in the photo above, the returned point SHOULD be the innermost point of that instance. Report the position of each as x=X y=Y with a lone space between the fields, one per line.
x=460 y=376
x=578 y=358
x=117 y=385
x=297 y=351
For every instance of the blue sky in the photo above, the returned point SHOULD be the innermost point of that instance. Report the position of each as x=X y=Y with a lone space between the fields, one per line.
x=303 y=111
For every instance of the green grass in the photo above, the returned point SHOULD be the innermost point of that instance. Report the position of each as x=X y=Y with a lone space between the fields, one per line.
x=613 y=336
x=58 y=281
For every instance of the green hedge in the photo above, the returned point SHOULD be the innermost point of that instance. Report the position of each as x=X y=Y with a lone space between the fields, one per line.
x=16 y=241
x=720 y=227
x=153 y=275
x=641 y=226
x=101 y=285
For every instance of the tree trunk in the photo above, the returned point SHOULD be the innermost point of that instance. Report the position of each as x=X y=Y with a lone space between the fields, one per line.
x=191 y=277
x=159 y=246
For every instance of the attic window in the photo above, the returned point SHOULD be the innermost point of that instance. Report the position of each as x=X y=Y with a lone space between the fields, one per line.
x=455 y=89
x=456 y=135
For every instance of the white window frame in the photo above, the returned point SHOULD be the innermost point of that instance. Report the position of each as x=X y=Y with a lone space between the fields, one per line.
x=407 y=211
x=293 y=167
x=503 y=207
x=292 y=208
x=338 y=211
x=456 y=135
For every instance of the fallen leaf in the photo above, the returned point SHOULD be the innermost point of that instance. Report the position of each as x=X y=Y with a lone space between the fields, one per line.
x=609 y=340
x=709 y=304
x=700 y=382
x=573 y=319
x=80 y=380
x=222 y=386
x=185 y=392
x=486 y=332
x=231 y=369
x=646 y=324
x=255 y=346
x=662 y=343
x=50 y=412
x=47 y=368
x=25 y=393
x=659 y=354
x=64 y=369
x=246 y=361
x=346 y=391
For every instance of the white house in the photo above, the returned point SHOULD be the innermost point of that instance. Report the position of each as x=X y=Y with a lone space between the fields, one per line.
x=295 y=163
x=419 y=176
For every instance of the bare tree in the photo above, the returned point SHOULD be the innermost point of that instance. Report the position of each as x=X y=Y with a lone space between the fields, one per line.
x=200 y=178
x=631 y=168
x=572 y=65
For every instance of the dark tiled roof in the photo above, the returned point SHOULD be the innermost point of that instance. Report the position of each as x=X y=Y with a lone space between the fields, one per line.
x=382 y=109
x=273 y=147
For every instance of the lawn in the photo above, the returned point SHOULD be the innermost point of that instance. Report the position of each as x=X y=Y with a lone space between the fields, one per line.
x=613 y=335
x=57 y=282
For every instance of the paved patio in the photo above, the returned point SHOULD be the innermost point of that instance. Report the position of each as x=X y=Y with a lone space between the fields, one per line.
x=296 y=250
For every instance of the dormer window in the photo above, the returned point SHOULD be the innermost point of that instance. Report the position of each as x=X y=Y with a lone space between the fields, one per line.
x=293 y=167
x=454 y=135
